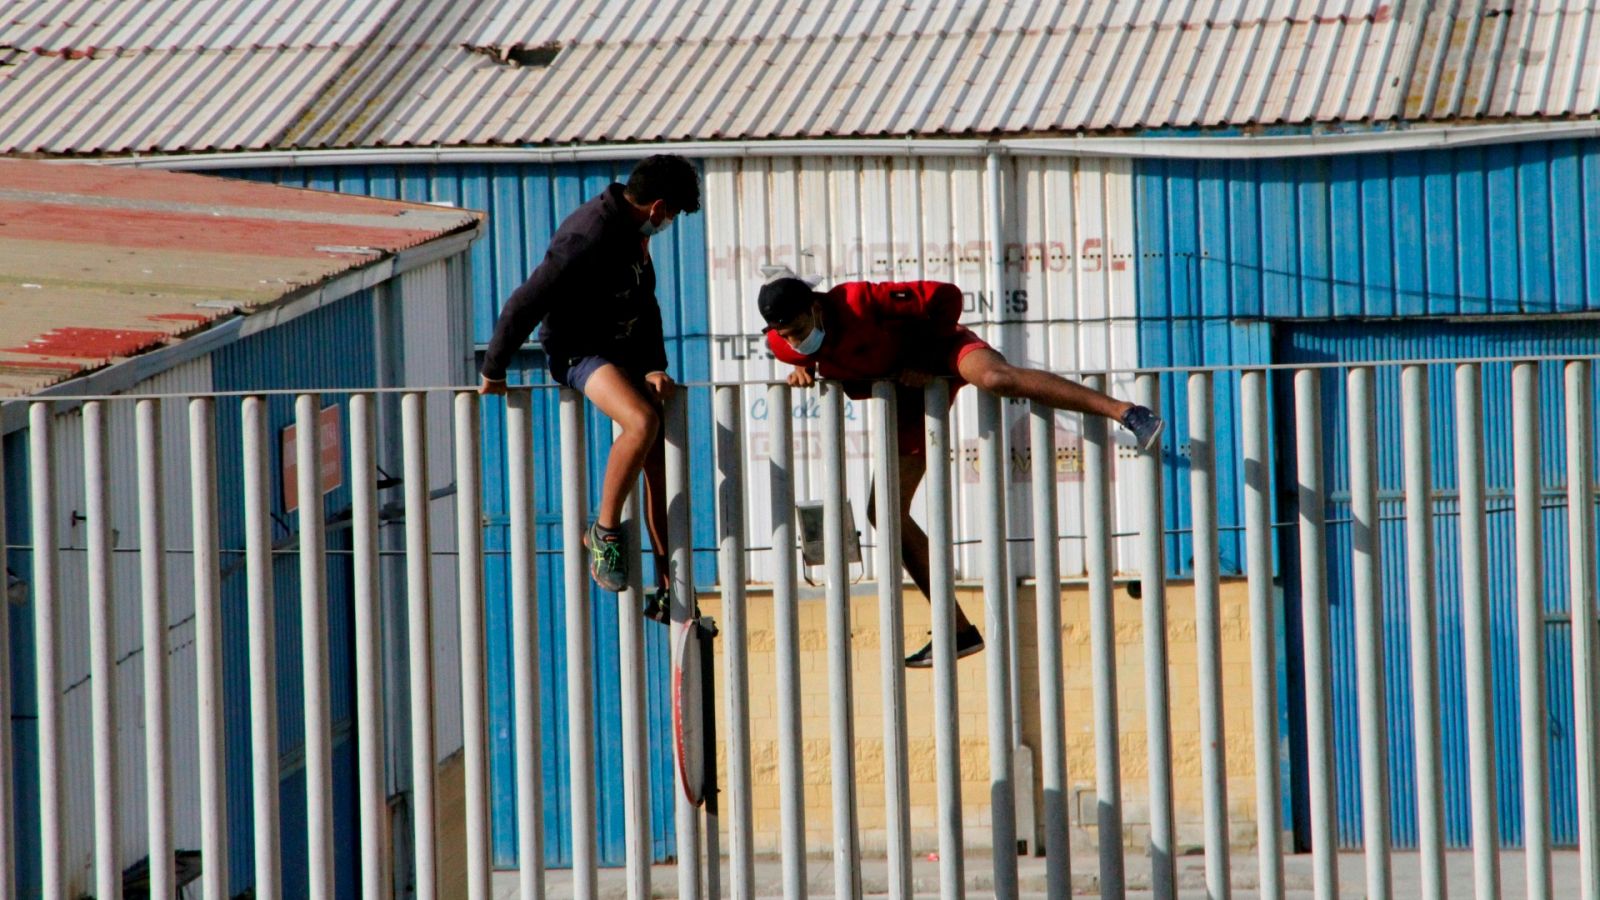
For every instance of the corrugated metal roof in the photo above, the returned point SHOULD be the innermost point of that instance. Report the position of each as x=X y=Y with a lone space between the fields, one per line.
x=187 y=75
x=98 y=264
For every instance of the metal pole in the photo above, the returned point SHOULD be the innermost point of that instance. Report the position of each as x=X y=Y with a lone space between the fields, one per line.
x=786 y=632
x=730 y=505
x=469 y=572
x=525 y=643
x=1208 y=629
x=1158 y=715
x=841 y=711
x=891 y=637
x=1367 y=569
x=1098 y=452
x=635 y=730
x=1418 y=449
x=941 y=581
x=102 y=659
x=1477 y=662
x=1263 y=631
x=1585 y=702
x=997 y=656
x=8 y=834
x=1525 y=423
x=580 y=696
x=208 y=646
x=419 y=617
x=1315 y=631
x=153 y=589
x=314 y=646
x=1047 y=603
x=47 y=684
x=264 y=779
x=373 y=806
x=680 y=538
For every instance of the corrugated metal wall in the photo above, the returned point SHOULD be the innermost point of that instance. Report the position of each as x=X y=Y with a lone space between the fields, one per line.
x=1066 y=302
x=525 y=204
x=332 y=347
x=1245 y=262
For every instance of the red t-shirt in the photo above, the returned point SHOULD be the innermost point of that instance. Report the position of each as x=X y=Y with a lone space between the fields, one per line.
x=877 y=330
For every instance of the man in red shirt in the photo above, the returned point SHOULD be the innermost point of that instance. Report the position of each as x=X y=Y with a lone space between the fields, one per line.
x=861 y=331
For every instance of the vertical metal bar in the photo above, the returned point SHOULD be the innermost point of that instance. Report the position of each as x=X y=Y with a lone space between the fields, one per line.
x=1418 y=449
x=1098 y=451
x=1047 y=603
x=1315 y=631
x=208 y=645
x=102 y=661
x=419 y=650
x=786 y=632
x=373 y=807
x=42 y=490
x=580 y=696
x=525 y=643
x=314 y=645
x=263 y=648
x=1585 y=691
x=1528 y=480
x=1477 y=663
x=997 y=656
x=735 y=633
x=680 y=539
x=1208 y=628
x=941 y=581
x=8 y=833
x=1158 y=716
x=469 y=572
x=153 y=589
x=891 y=636
x=1263 y=631
x=1367 y=570
x=841 y=712
x=635 y=733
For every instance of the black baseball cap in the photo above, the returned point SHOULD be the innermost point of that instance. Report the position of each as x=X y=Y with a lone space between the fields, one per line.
x=782 y=299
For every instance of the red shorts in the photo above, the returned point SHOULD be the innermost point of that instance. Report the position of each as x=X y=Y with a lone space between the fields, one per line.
x=944 y=360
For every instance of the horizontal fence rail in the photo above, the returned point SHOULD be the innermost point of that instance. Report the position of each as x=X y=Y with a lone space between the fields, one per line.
x=1302 y=591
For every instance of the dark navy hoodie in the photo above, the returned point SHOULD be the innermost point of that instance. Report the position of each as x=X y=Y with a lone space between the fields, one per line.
x=595 y=293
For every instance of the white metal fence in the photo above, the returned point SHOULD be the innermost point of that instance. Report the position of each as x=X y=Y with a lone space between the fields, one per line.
x=734 y=471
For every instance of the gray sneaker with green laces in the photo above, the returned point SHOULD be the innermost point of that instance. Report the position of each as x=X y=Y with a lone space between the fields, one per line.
x=608 y=562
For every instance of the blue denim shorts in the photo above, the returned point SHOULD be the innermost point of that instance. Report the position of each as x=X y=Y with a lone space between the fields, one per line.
x=575 y=372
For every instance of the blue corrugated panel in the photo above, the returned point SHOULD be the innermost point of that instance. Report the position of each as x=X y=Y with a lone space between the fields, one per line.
x=24 y=700
x=525 y=204
x=1411 y=340
x=1232 y=253
x=329 y=348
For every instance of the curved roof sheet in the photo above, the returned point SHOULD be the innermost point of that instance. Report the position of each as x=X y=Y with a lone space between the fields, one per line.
x=107 y=76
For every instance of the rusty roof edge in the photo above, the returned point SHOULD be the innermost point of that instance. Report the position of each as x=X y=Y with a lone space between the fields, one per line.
x=119 y=377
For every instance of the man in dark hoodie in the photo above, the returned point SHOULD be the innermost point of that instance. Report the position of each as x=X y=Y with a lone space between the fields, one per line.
x=910 y=332
x=595 y=295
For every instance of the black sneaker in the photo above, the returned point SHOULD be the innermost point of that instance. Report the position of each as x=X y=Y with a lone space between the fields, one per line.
x=968 y=642
x=658 y=605
x=608 y=564
x=1145 y=426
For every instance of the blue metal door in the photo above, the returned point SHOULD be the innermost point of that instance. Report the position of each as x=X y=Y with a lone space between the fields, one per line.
x=1398 y=340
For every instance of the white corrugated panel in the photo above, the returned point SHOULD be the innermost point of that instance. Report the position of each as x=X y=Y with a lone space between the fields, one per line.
x=431 y=306
x=186 y=75
x=1066 y=304
x=79 y=794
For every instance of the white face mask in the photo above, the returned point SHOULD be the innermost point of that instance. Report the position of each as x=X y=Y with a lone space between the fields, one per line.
x=649 y=228
x=812 y=343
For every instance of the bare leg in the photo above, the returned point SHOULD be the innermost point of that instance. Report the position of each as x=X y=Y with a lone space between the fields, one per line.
x=913 y=540
x=988 y=370
x=655 y=506
x=616 y=396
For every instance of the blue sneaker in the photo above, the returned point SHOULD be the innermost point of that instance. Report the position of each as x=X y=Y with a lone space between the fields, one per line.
x=1145 y=426
x=608 y=564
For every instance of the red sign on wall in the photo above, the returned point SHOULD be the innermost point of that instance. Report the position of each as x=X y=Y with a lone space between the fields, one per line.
x=331 y=457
